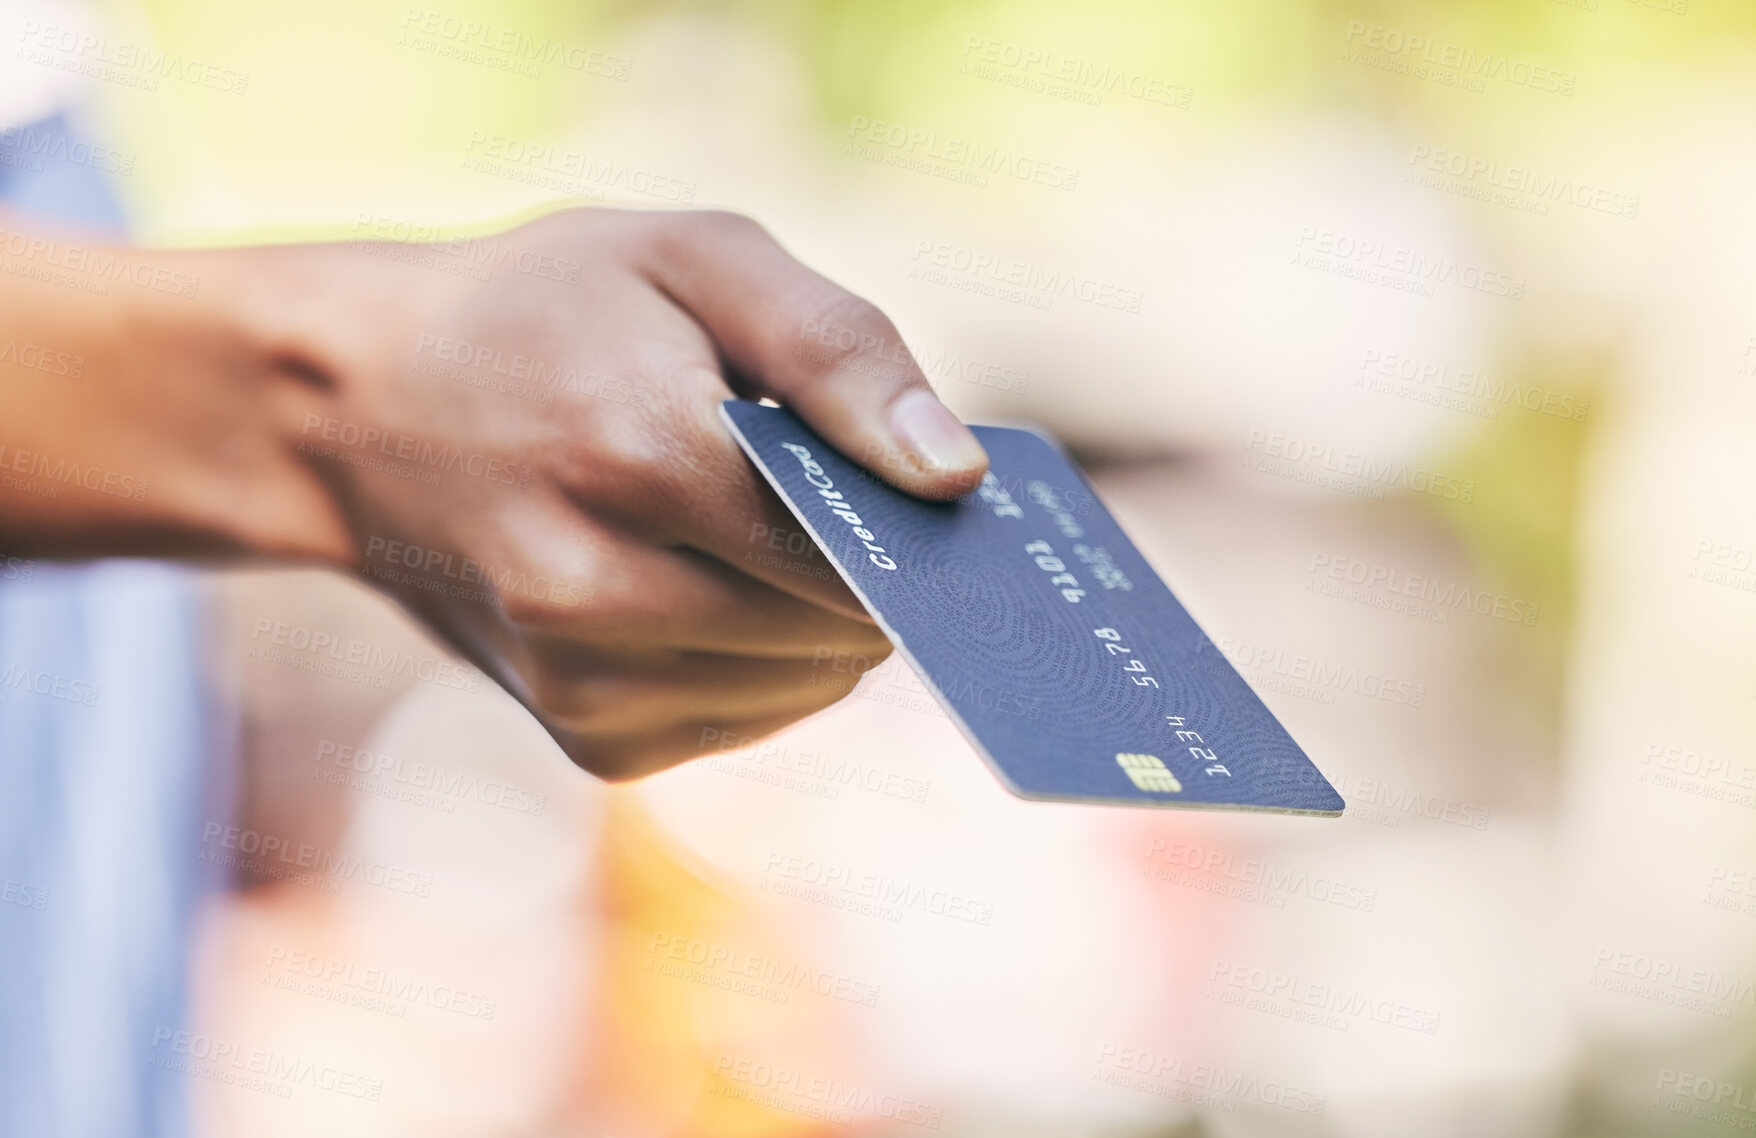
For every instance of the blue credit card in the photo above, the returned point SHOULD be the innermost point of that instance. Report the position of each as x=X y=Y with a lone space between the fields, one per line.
x=1041 y=629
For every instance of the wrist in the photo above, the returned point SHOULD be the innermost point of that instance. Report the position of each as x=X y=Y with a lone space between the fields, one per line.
x=296 y=325
x=161 y=436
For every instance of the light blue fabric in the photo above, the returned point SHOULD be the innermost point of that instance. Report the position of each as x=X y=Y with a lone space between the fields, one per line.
x=105 y=777
x=39 y=176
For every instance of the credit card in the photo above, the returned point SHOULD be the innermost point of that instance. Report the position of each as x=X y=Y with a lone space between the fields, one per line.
x=1041 y=629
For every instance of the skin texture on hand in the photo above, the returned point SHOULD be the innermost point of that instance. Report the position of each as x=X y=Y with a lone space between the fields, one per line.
x=533 y=462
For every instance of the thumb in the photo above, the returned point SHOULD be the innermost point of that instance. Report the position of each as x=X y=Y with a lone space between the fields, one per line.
x=802 y=340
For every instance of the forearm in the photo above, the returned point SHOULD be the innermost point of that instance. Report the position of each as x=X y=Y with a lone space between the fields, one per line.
x=143 y=409
x=533 y=461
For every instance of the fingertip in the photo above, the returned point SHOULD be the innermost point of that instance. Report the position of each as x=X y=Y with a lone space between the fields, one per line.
x=941 y=456
x=944 y=486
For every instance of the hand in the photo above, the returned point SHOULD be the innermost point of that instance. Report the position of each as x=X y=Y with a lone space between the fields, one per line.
x=534 y=463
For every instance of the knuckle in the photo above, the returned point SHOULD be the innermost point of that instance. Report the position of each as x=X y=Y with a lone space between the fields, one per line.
x=631 y=449
x=610 y=761
x=670 y=468
x=677 y=239
x=633 y=454
x=624 y=760
x=843 y=307
x=567 y=701
x=839 y=329
x=725 y=222
x=546 y=585
x=540 y=611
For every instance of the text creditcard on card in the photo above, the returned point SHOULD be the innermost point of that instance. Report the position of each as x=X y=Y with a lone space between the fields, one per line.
x=1041 y=629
